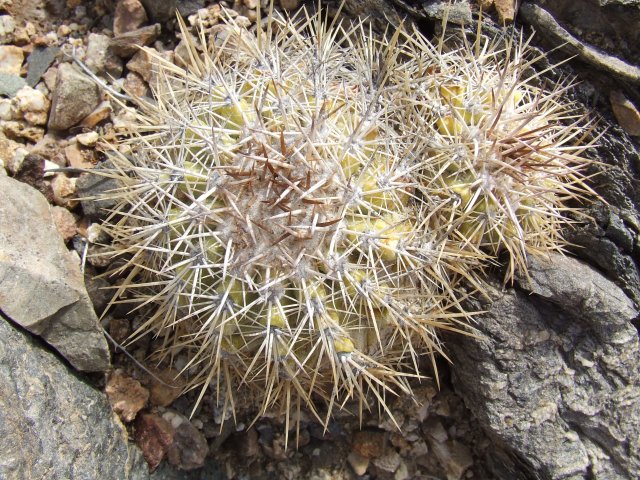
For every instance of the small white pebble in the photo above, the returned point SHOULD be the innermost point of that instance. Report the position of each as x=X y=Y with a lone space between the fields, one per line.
x=88 y=139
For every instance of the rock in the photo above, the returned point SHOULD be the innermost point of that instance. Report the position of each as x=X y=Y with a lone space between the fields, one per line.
x=126 y=396
x=359 y=463
x=165 y=386
x=161 y=11
x=53 y=425
x=135 y=86
x=126 y=44
x=99 y=57
x=30 y=170
x=93 y=185
x=555 y=376
x=506 y=11
x=626 y=113
x=10 y=84
x=119 y=329
x=544 y=23
x=65 y=222
x=290 y=5
x=99 y=292
x=64 y=190
x=7 y=27
x=74 y=97
x=189 y=448
x=101 y=113
x=8 y=150
x=42 y=286
x=369 y=443
x=31 y=105
x=78 y=158
x=458 y=13
x=128 y=16
x=389 y=462
x=22 y=131
x=153 y=434
x=142 y=63
x=11 y=58
x=88 y=139
x=38 y=62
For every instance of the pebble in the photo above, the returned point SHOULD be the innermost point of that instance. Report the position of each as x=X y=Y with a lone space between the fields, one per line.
x=99 y=58
x=88 y=139
x=625 y=112
x=65 y=222
x=101 y=113
x=119 y=329
x=8 y=149
x=7 y=27
x=135 y=85
x=128 y=16
x=359 y=463
x=189 y=448
x=74 y=97
x=22 y=131
x=126 y=396
x=31 y=105
x=141 y=63
x=10 y=84
x=64 y=190
x=11 y=58
x=126 y=44
x=506 y=11
x=78 y=158
x=153 y=434
x=369 y=444
x=5 y=109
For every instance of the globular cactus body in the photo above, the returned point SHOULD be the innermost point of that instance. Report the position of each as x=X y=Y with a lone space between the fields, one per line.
x=300 y=204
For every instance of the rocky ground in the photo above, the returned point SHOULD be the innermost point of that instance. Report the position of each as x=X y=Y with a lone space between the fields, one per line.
x=550 y=390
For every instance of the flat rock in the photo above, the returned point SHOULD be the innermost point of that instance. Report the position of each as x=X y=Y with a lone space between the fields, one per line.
x=128 y=43
x=74 y=97
x=39 y=62
x=53 y=425
x=555 y=376
x=10 y=84
x=41 y=286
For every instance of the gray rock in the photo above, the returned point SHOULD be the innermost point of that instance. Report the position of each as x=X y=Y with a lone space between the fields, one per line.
x=53 y=425
x=10 y=84
x=38 y=62
x=91 y=185
x=555 y=377
x=100 y=58
x=544 y=22
x=74 y=97
x=41 y=286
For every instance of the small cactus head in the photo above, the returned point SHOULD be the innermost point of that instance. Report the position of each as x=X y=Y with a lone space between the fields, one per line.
x=504 y=152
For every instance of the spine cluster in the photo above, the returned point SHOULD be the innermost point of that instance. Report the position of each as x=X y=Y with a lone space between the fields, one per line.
x=301 y=205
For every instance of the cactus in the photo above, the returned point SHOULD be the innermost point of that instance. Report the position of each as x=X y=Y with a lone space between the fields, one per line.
x=505 y=150
x=301 y=205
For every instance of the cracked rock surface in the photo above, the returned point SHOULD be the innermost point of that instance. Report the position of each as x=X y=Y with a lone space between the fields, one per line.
x=52 y=424
x=554 y=378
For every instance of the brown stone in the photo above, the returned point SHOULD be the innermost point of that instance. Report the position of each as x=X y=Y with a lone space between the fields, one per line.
x=126 y=396
x=625 y=112
x=135 y=85
x=78 y=158
x=165 y=386
x=369 y=444
x=153 y=434
x=129 y=15
x=126 y=44
x=65 y=222
x=101 y=113
x=506 y=10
